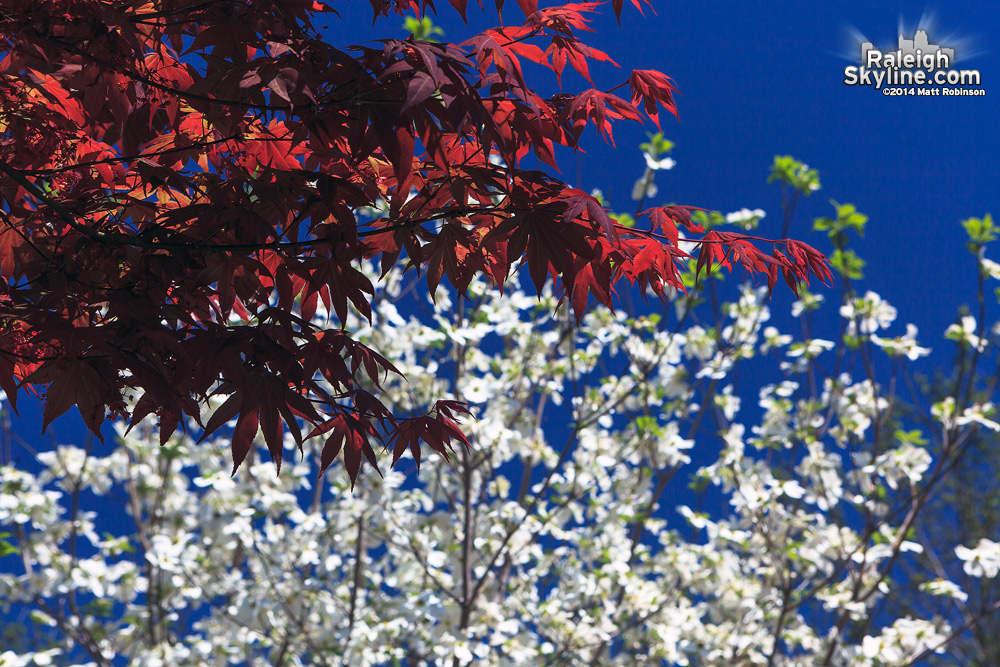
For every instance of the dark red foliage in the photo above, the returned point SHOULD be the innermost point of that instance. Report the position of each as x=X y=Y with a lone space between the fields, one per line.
x=178 y=188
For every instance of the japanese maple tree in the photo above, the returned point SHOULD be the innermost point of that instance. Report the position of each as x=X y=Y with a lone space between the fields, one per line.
x=180 y=183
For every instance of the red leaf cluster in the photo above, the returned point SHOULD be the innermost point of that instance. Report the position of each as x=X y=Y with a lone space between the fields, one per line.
x=179 y=183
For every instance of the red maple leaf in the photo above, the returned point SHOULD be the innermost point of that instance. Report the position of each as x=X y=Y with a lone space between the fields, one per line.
x=181 y=186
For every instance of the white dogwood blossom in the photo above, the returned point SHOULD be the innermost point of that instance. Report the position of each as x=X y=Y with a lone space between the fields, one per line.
x=965 y=332
x=867 y=314
x=745 y=218
x=636 y=492
x=905 y=345
x=983 y=560
x=657 y=164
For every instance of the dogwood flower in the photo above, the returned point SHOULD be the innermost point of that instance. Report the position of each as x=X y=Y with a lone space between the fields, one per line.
x=983 y=560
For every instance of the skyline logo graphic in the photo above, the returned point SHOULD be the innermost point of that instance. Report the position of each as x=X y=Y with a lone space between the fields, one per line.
x=916 y=52
x=916 y=67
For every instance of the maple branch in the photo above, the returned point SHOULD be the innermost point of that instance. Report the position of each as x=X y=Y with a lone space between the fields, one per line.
x=620 y=85
x=660 y=237
x=24 y=237
x=66 y=216
x=183 y=94
x=130 y=158
x=135 y=18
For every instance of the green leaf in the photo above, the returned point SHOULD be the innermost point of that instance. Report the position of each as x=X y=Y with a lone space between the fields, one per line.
x=980 y=231
x=623 y=219
x=422 y=29
x=848 y=218
x=795 y=174
x=657 y=145
x=914 y=437
x=847 y=263
x=6 y=548
x=708 y=219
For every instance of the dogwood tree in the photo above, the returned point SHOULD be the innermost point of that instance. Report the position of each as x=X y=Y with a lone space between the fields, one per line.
x=689 y=487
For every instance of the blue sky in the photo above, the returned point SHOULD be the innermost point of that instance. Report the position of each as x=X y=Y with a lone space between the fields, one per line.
x=764 y=78
x=757 y=82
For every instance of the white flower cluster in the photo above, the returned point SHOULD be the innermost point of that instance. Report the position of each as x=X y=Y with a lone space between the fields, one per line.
x=553 y=540
x=867 y=314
